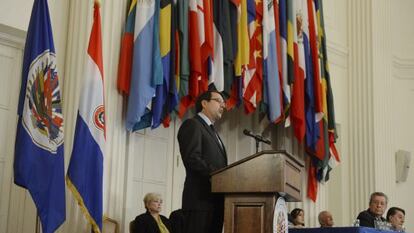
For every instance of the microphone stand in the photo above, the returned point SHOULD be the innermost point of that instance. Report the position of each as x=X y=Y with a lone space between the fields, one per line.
x=257 y=145
x=257 y=138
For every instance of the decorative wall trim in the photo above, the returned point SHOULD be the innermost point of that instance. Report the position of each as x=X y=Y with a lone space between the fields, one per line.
x=12 y=37
x=403 y=67
x=337 y=53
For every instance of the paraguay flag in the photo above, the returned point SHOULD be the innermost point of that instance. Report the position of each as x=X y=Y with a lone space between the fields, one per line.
x=85 y=172
x=39 y=160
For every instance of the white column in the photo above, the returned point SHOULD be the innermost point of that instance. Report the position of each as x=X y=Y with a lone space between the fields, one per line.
x=371 y=139
x=361 y=106
x=382 y=85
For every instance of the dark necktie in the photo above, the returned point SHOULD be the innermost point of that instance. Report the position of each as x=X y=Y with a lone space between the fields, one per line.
x=213 y=128
x=217 y=136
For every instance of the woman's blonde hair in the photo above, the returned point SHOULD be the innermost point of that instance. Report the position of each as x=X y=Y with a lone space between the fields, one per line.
x=151 y=197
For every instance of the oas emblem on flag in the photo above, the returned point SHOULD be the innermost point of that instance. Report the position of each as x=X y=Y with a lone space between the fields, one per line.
x=280 y=217
x=42 y=115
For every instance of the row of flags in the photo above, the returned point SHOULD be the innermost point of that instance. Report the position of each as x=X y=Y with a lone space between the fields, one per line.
x=268 y=56
x=265 y=55
x=39 y=153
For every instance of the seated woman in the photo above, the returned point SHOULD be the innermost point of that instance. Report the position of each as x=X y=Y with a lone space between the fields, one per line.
x=396 y=217
x=297 y=217
x=151 y=221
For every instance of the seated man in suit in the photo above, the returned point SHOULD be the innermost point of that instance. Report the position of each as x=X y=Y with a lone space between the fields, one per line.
x=396 y=217
x=377 y=205
x=325 y=219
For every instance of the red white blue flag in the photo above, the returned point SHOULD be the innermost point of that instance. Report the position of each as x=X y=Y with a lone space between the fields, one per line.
x=85 y=172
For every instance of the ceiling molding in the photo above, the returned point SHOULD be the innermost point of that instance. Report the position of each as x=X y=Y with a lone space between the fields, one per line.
x=12 y=37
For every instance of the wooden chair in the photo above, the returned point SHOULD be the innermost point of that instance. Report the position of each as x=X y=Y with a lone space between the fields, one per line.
x=109 y=225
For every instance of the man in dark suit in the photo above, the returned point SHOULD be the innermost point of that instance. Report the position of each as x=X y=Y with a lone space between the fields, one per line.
x=377 y=205
x=202 y=152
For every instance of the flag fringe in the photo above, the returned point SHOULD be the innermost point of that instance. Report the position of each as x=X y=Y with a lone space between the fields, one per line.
x=82 y=206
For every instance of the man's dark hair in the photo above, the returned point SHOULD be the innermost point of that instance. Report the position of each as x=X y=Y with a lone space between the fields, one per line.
x=205 y=96
x=380 y=194
x=392 y=211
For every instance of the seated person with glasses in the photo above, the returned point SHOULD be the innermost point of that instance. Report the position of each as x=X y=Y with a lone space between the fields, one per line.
x=372 y=217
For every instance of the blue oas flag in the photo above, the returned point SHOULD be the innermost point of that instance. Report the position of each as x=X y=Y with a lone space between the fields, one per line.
x=39 y=161
x=85 y=172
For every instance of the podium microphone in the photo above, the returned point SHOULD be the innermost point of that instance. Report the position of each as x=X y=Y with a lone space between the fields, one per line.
x=257 y=137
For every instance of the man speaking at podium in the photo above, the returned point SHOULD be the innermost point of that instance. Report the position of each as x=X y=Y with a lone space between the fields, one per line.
x=202 y=152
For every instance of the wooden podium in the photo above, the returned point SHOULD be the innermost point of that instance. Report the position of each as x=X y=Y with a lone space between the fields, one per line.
x=252 y=186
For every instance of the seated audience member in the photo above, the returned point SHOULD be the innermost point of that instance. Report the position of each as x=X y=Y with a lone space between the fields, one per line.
x=325 y=219
x=290 y=221
x=151 y=221
x=377 y=205
x=298 y=220
x=396 y=217
x=177 y=221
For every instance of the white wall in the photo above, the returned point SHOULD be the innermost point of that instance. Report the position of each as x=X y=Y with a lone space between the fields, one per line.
x=16 y=14
x=403 y=99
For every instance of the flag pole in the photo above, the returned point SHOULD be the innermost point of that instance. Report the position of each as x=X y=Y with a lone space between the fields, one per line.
x=37 y=224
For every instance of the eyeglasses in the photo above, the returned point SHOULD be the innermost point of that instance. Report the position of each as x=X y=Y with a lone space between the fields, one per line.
x=218 y=100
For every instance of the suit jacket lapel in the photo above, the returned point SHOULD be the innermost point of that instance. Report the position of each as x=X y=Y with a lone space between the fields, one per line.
x=214 y=136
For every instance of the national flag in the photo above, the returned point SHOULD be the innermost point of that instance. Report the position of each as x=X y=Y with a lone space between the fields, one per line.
x=297 y=113
x=253 y=76
x=313 y=38
x=272 y=88
x=290 y=41
x=196 y=69
x=322 y=144
x=242 y=56
x=183 y=46
x=206 y=35
x=172 y=85
x=328 y=106
x=312 y=127
x=318 y=147
x=228 y=31
x=278 y=40
x=322 y=150
x=312 y=187
x=216 y=76
x=126 y=54
x=147 y=70
x=85 y=172
x=39 y=159
x=160 y=108
x=284 y=54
